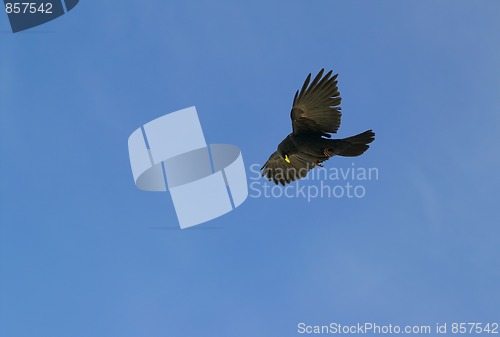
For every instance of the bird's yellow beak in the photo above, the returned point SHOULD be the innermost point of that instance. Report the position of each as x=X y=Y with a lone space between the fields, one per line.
x=287 y=159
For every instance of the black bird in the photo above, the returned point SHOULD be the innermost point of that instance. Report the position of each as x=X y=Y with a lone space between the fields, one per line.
x=315 y=114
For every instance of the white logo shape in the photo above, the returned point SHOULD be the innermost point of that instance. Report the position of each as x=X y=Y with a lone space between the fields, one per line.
x=205 y=182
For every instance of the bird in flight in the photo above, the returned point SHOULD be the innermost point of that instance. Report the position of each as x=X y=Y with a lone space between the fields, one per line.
x=315 y=114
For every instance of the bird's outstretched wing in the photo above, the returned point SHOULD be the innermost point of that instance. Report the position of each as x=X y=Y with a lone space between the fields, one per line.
x=316 y=107
x=279 y=171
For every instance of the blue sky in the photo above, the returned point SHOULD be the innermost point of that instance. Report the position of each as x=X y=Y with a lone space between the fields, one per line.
x=85 y=253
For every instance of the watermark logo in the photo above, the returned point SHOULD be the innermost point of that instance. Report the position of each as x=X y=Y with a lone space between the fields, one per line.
x=28 y=14
x=205 y=181
x=321 y=182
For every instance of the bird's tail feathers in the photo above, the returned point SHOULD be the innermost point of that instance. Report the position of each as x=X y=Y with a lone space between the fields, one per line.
x=356 y=145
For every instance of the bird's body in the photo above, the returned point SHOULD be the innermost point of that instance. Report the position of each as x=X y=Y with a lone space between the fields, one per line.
x=315 y=114
x=310 y=145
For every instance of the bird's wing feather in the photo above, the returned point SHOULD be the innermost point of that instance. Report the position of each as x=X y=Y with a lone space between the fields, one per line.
x=316 y=107
x=279 y=171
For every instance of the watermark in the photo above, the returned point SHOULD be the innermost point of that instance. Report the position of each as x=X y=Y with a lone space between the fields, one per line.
x=205 y=181
x=320 y=182
x=463 y=328
x=28 y=14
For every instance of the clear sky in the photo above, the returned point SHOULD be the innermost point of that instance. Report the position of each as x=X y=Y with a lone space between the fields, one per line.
x=83 y=252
